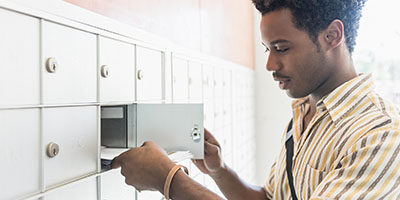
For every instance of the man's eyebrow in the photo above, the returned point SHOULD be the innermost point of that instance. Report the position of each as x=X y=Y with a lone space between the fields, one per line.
x=278 y=41
x=275 y=42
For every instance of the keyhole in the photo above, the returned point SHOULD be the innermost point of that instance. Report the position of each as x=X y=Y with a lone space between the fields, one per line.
x=54 y=151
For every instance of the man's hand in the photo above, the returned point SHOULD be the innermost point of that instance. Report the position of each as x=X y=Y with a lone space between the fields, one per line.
x=212 y=162
x=145 y=167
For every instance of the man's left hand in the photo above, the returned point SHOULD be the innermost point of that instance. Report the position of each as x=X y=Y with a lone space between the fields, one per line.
x=145 y=167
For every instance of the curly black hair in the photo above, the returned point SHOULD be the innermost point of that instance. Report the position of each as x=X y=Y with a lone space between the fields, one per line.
x=313 y=16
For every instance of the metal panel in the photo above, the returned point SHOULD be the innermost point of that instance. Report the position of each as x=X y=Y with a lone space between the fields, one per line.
x=170 y=126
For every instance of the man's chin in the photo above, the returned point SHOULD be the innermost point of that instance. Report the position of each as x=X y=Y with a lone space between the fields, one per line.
x=295 y=95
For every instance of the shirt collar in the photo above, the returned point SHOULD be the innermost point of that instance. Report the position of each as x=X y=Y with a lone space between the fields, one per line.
x=344 y=98
x=299 y=102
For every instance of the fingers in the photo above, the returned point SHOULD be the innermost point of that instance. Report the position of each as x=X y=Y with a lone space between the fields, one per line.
x=210 y=138
x=210 y=149
x=199 y=163
x=117 y=161
x=147 y=143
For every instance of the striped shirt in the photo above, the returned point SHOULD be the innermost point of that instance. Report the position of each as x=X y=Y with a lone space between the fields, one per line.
x=350 y=149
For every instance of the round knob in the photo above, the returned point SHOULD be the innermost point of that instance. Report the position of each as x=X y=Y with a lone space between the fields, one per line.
x=51 y=65
x=52 y=150
x=105 y=71
x=140 y=74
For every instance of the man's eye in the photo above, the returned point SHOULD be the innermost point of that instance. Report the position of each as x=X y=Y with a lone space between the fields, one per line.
x=281 y=50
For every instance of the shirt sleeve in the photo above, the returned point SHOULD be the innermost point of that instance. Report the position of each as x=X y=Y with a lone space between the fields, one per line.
x=369 y=170
x=270 y=184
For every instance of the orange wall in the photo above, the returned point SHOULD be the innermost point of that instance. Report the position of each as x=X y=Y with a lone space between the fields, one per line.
x=223 y=28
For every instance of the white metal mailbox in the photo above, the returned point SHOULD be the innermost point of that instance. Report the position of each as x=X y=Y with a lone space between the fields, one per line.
x=175 y=127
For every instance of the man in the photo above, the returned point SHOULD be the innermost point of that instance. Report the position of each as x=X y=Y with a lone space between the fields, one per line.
x=346 y=138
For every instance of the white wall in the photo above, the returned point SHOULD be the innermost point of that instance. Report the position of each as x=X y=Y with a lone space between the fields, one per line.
x=273 y=110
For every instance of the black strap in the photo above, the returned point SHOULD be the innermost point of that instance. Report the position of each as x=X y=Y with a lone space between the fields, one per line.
x=289 y=159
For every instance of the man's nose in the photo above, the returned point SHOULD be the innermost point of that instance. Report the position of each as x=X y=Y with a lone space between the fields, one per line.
x=272 y=64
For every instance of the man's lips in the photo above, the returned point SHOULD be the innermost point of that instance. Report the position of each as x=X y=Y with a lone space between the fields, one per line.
x=280 y=77
x=283 y=81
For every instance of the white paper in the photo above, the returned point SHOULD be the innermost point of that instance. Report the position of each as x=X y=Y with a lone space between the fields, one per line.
x=111 y=153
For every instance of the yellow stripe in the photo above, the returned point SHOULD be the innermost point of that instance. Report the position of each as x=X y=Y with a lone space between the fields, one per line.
x=353 y=167
x=303 y=165
x=374 y=169
x=358 y=108
x=352 y=100
x=373 y=99
x=351 y=170
x=339 y=91
x=386 y=183
x=361 y=131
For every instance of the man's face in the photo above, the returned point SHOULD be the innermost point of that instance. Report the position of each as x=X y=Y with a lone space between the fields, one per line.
x=296 y=62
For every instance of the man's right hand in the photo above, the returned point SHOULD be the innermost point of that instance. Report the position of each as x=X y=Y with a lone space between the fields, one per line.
x=227 y=180
x=212 y=162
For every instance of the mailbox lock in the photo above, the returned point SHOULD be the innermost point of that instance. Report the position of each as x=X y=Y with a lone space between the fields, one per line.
x=105 y=71
x=140 y=74
x=196 y=136
x=51 y=65
x=52 y=150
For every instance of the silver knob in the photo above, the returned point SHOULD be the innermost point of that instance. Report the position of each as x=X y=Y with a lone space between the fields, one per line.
x=140 y=74
x=196 y=136
x=51 y=65
x=104 y=71
x=52 y=150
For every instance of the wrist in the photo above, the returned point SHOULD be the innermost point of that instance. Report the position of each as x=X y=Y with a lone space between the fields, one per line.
x=174 y=171
x=177 y=184
x=167 y=169
x=219 y=173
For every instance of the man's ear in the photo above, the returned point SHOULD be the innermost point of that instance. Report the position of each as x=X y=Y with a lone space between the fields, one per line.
x=333 y=36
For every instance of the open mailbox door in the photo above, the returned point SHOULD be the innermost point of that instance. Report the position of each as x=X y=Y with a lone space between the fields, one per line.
x=175 y=127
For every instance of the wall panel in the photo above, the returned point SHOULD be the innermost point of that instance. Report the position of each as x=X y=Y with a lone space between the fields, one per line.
x=222 y=28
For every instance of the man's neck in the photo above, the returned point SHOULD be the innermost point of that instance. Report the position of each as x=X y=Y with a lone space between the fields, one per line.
x=341 y=63
x=343 y=72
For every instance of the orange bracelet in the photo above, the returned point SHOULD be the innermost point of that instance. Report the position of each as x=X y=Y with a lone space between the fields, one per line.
x=168 y=180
